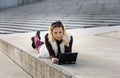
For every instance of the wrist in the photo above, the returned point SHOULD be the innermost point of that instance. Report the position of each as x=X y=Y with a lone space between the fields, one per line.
x=67 y=44
x=51 y=57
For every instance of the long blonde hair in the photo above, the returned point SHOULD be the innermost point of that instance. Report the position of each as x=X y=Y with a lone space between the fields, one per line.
x=54 y=25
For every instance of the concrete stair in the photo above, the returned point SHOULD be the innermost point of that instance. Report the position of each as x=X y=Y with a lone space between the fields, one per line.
x=21 y=25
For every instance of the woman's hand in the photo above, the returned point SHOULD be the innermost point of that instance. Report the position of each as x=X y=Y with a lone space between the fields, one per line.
x=54 y=60
x=65 y=39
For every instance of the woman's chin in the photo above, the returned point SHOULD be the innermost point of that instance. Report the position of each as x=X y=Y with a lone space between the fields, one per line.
x=58 y=39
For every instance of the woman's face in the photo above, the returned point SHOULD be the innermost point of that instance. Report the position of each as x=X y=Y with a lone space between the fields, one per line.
x=57 y=33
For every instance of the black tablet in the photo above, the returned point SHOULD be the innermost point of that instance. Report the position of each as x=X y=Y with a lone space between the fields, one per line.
x=67 y=58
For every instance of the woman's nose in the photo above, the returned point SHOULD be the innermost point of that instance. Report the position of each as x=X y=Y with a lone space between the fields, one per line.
x=58 y=35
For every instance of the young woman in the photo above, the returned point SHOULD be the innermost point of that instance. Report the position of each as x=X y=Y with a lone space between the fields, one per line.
x=57 y=41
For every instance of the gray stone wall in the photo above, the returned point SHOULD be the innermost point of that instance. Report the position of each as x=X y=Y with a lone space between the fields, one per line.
x=8 y=3
x=35 y=67
x=67 y=7
x=12 y=3
x=99 y=7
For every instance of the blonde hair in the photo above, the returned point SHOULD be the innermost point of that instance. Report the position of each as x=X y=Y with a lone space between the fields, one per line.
x=54 y=25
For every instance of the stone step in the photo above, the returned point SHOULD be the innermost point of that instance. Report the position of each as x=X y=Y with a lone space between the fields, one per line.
x=20 y=25
x=62 y=19
x=77 y=21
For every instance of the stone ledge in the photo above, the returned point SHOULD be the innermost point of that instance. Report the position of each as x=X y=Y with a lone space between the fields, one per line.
x=36 y=67
x=97 y=55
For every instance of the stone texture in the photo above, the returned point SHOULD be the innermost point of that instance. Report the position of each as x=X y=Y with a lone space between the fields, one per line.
x=98 y=54
x=65 y=8
x=8 y=69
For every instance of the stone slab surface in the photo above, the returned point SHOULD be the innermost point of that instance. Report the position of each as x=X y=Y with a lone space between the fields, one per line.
x=98 y=51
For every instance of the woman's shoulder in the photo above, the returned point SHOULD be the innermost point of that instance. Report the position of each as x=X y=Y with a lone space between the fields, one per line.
x=69 y=35
x=46 y=35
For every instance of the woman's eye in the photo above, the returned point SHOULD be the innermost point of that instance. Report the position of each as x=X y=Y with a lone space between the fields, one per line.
x=55 y=32
x=60 y=32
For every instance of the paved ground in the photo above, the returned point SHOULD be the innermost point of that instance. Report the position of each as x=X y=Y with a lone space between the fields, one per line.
x=8 y=69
